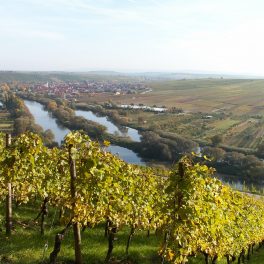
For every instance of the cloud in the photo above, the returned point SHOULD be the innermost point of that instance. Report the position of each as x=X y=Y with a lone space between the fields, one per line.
x=18 y=29
x=48 y=35
x=156 y=14
x=168 y=34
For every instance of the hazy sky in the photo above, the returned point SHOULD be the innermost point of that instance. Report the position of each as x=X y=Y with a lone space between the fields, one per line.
x=133 y=35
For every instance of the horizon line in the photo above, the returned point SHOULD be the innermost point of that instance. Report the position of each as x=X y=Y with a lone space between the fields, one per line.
x=190 y=72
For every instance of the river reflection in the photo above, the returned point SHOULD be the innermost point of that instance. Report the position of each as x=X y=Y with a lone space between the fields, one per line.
x=126 y=154
x=111 y=128
x=46 y=121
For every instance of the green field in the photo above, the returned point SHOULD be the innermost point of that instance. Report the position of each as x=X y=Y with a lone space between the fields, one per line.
x=201 y=95
x=236 y=107
x=27 y=246
x=212 y=95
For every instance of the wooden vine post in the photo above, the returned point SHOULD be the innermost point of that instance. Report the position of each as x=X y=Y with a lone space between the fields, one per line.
x=180 y=194
x=177 y=203
x=76 y=225
x=8 y=197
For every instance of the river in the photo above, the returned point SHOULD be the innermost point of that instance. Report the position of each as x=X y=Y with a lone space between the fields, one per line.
x=46 y=121
x=111 y=128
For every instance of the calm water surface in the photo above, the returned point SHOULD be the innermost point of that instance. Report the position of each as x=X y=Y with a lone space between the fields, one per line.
x=111 y=128
x=126 y=154
x=46 y=121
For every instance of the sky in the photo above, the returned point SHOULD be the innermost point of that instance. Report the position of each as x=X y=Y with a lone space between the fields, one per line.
x=220 y=36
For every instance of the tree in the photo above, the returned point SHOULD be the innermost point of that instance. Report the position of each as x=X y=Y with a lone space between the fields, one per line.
x=260 y=150
x=216 y=153
x=52 y=106
x=217 y=139
x=140 y=120
x=48 y=137
x=234 y=158
x=21 y=125
x=5 y=89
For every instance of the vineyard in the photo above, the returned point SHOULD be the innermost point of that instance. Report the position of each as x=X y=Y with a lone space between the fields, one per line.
x=189 y=212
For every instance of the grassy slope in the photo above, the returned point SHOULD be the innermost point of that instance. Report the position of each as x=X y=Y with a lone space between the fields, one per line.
x=26 y=246
x=211 y=94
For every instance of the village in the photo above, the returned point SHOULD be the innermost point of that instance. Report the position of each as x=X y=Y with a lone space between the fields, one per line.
x=71 y=90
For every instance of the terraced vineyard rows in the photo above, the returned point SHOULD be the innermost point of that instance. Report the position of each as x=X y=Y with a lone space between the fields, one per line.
x=195 y=212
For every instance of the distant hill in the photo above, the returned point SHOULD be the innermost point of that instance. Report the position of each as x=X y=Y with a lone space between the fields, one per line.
x=9 y=76
x=187 y=75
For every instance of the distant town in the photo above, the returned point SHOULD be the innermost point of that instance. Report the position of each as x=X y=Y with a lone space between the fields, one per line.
x=71 y=90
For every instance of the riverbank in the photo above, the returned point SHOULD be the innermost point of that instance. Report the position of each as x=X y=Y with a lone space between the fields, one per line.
x=240 y=164
x=169 y=147
x=46 y=120
x=23 y=119
x=147 y=149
